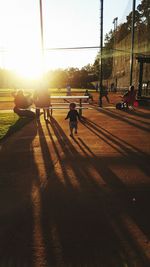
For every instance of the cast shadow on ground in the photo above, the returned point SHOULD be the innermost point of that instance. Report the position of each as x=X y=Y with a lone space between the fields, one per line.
x=125 y=119
x=77 y=207
x=67 y=222
x=16 y=218
x=133 y=156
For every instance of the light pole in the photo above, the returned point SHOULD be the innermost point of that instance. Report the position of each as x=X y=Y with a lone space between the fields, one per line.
x=132 y=41
x=41 y=23
x=101 y=55
x=115 y=22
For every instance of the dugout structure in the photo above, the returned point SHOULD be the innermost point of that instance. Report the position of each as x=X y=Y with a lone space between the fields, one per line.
x=143 y=86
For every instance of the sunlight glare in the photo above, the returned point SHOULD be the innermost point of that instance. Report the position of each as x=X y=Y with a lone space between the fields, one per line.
x=27 y=63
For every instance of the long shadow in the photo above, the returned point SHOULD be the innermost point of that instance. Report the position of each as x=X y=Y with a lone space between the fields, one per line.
x=139 y=113
x=134 y=154
x=50 y=198
x=65 y=149
x=18 y=173
x=56 y=189
x=97 y=127
x=138 y=209
x=123 y=119
x=68 y=149
x=47 y=251
x=75 y=217
x=106 y=137
x=75 y=226
x=136 y=113
x=137 y=120
x=45 y=150
x=103 y=137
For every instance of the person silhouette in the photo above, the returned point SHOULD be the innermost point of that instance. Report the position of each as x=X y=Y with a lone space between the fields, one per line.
x=74 y=116
x=42 y=100
x=22 y=104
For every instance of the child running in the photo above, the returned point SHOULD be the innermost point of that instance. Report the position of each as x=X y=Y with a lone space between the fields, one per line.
x=73 y=115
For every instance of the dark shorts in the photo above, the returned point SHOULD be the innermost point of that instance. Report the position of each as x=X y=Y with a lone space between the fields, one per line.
x=73 y=124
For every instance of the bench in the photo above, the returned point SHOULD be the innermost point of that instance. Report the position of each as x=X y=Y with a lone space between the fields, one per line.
x=80 y=105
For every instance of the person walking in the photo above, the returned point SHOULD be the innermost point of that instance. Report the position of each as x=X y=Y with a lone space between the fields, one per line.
x=73 y=116
x=103 y=93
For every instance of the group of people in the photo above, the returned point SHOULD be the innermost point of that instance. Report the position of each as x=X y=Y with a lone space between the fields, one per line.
x=41 y=98
x=103 y=93
x=128 y=99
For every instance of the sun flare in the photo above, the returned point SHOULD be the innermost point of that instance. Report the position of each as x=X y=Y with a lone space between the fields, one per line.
x=26 y=63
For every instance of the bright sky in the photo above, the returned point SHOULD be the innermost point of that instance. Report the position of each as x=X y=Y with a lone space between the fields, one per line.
x=66 y=23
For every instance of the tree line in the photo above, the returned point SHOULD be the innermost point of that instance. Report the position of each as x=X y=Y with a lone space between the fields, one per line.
x=60 y=78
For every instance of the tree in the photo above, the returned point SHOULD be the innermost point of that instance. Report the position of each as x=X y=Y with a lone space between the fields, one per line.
x=107 y=60
x=137 y=20
x=144 y=10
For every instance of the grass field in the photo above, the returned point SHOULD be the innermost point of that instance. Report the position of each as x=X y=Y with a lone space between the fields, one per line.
x=10 y=123
x=6 y=94
x=6 y=121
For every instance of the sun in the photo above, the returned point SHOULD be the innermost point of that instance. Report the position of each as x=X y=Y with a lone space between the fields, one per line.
x=26 y=63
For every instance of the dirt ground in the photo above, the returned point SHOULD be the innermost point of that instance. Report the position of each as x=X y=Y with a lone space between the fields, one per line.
x=82 y=201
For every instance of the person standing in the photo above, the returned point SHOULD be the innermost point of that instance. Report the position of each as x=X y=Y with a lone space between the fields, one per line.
x=87 y=93
x=42 y=100
x=103 y=93
x=68 y=90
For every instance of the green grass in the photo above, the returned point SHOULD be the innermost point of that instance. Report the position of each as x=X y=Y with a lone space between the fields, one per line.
x=7 y=120
x=6 y=99
x=6 y=94
x=10 y=123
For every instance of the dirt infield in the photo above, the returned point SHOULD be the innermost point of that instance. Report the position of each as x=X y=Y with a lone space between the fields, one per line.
x=80 y=201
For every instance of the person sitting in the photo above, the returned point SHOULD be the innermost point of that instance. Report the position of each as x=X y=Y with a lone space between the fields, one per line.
x=87 y=93
x=20 y=100
x=129 y=97
x=22 y=104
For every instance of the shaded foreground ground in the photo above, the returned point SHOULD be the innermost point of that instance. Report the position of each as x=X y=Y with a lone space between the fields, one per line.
x=77 y=202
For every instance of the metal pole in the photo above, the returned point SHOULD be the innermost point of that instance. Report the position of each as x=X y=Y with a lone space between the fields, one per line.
x=101 y=55
x=132 y=41
x=41 y=22
x=114 y=46
x=140 y=79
